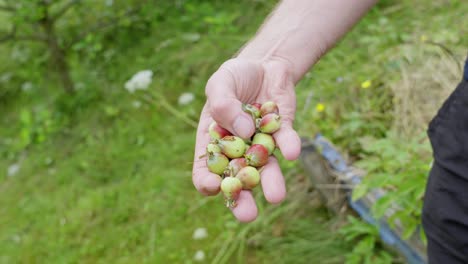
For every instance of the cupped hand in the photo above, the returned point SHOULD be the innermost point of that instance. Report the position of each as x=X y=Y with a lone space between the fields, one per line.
x=240 y=81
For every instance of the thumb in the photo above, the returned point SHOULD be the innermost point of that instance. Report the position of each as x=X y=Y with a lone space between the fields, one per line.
x=223 y=100
x=227 y=112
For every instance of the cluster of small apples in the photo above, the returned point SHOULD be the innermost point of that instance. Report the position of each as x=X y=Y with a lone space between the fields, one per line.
x=239 y=161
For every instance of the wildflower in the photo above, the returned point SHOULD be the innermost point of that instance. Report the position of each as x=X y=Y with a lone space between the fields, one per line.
x=19 y=55
x=136 y=104
x=366 y=84
x=191 y=37
x=16 y=239
x=423 y=38
x=200 y=233
x=13 y=169
x=186 y=98
x=27 y=86
x=140 y=81
x=320 y=107
x=199 y=255
x=79 y=86
x=6 y=77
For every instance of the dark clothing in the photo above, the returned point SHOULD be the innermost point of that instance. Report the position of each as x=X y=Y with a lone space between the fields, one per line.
x=466 y=70
x=445 y=212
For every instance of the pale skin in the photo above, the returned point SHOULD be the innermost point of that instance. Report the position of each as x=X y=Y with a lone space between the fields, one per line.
x=290 y=42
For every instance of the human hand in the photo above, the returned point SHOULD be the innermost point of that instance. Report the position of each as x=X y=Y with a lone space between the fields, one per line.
x=240 y=81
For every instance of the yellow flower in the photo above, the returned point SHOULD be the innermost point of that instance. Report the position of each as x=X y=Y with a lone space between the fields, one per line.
x=366 y=84
x=320 y=107
x=423 y=38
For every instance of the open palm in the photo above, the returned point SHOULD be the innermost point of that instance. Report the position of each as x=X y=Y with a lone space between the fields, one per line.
x=240 y=81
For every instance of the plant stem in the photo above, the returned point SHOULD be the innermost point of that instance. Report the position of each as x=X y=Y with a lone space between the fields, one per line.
x=57 y=53
x=158 y=99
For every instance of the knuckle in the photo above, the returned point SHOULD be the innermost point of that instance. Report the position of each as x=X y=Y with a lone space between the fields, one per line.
x=229 y=63
x=210 y=85
x=219 y=106
x=224 y=77
x=287 y=120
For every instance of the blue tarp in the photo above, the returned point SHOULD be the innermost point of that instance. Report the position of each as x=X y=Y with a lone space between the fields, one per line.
x=388 y=236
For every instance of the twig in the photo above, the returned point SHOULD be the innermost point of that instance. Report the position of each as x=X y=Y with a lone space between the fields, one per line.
x=102 y=24
x=161 y=100
x=307 y=102
x=392 y=9
x=9 y=36
x=222 y=250
x=13 y=36
x=335 y=186
x=6 y=37
x=7 y=9
x=448 y=51
x=64 y=9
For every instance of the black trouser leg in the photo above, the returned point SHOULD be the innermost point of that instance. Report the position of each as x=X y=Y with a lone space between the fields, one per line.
x=445 y=212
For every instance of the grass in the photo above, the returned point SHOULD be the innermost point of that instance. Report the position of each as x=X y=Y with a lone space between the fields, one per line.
x=109 y=182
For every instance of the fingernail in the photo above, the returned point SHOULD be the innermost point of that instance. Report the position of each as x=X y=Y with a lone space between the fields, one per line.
x=243 y=126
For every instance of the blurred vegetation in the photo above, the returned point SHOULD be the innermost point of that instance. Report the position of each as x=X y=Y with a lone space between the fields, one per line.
x=91 y=173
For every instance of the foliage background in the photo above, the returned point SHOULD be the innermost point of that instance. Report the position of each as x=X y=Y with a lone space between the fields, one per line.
x=104 y=175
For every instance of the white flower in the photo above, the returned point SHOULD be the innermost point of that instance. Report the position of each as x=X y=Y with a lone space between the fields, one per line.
x=79 y=86
x=140 y=81
x=16 y=238
x=6 y=77
x=186 y=98
x=191 y=37
x=13 y=169
x=19 y=55
x=199 y=255
x=200 y=233
x=27 y=86
x=136 y=104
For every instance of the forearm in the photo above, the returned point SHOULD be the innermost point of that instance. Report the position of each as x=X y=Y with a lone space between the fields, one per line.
x=299 y=32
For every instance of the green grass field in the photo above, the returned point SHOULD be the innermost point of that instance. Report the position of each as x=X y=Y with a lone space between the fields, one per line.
x=103 y=181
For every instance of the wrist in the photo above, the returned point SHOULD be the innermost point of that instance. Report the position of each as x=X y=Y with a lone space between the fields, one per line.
x=299 y=32
x=296 y=49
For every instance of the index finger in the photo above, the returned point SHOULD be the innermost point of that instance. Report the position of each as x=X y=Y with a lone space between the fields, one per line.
x=205 y=181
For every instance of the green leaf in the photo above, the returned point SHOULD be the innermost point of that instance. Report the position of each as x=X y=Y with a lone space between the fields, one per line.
x=359 y=191
x=25 y=137
x=385 y=258
x=26 y=117
x=365 y=245
x=381 y=206
x=353 y=259
x=422 y=235
x=410 y=226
